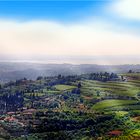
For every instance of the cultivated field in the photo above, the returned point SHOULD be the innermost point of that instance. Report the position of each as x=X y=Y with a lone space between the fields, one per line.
x=114 y=95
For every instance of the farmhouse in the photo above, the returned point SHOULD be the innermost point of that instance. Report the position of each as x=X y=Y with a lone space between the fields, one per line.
x=115 y=133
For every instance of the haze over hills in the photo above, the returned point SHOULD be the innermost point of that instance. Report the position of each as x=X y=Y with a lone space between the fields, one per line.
x=13 y=71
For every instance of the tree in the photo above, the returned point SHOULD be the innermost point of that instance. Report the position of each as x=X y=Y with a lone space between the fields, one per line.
x=122 y=77
x=39 y=78
x=130 y=71
x=59 y=76
x=98 y=93
x=79 y=85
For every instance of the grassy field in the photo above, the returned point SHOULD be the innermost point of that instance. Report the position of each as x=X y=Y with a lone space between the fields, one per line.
x=111 y=103
x=64 y=87
x=51 y=91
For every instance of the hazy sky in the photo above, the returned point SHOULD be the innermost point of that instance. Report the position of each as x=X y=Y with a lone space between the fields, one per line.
x=97 y=31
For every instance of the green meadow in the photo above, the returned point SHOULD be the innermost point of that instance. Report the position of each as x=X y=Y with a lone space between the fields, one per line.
x=64 y=87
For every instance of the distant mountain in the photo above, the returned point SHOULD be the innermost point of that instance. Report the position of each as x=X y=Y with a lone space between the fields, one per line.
x=12 y=71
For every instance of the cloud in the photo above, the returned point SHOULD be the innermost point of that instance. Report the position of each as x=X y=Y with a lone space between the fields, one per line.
x=44 y=38
x=91 y=37
x=129 y=9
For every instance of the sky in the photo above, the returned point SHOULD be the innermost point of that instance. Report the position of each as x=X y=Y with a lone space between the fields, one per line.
x=95 y=31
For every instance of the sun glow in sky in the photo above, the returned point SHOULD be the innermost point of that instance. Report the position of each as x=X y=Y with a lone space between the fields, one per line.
x=95 y=29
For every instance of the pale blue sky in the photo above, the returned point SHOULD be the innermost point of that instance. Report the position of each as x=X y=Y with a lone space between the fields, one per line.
x=63 y=11
x=53 y=10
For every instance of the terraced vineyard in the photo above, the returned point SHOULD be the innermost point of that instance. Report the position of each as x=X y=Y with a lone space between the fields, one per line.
x=114 y=95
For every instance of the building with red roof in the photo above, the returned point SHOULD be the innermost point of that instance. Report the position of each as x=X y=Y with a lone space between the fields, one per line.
x=115 y=133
